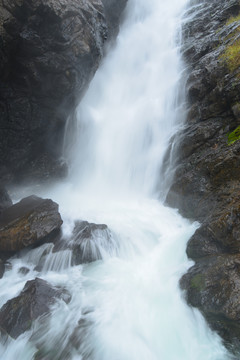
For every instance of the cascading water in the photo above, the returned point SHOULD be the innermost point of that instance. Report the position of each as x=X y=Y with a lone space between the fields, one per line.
x=128 y=305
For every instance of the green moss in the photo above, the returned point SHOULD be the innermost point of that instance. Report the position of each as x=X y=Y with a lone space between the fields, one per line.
x=231 y=56
x=233 y=136
x=198 y=282
x=232 y=19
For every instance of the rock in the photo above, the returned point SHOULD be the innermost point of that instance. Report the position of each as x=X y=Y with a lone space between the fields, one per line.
x=213 y=285
x=206 y=182
x=208 y=168
x=88 y=241
x=36 y=298
x=49 y=52
x=2 y=268
x=23 y=270
x=4 y=338
x=31 y=221
x=113 y=10
x=5 y=200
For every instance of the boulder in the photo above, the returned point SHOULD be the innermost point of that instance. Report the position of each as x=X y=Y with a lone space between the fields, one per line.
x=88 y=242
x=36 y=299
x=29 y=222
x=49 y=52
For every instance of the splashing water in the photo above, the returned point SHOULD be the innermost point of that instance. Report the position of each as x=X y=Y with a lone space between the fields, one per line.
x=128 y=305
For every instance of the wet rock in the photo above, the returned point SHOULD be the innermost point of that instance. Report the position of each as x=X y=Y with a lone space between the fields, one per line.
x=2 y=268
x=31 y=221
x=4 y=337
x=23 y=270
x=36 y=299
x=5 y=200
x=213 y=285
x=49 y=52
x=113 y=10
x=206 y=183
x=88 y=242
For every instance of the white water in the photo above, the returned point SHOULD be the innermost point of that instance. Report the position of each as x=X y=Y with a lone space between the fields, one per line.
x=129 y=303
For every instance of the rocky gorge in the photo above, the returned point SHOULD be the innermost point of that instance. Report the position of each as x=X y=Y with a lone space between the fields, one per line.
x=206 y=182
x=49 y=52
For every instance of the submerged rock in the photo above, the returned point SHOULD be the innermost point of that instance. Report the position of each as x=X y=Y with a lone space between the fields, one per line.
x=31 y=221
x=36 y=298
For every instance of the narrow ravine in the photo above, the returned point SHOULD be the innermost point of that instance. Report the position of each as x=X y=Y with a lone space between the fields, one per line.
x=127 y=306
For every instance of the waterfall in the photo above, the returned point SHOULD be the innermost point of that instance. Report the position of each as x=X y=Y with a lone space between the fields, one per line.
x=127 y=305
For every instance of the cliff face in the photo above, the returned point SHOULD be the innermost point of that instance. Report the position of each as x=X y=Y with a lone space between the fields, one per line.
x=49 y=51
x=206 y=186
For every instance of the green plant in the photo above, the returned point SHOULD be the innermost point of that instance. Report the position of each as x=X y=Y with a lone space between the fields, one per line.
x=231 y=55
x=233 y=136
x=232 y=19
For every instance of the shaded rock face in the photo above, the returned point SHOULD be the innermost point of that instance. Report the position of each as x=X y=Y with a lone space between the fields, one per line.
x=113 y=10
x=5 y=200
x=213 y=286
x=28 y=222
x=208 y=169
x=36 y=298
x=206 y=184
x=49 y=51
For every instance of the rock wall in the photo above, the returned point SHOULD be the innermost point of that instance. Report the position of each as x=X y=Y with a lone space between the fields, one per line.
x=206 y=186
x=49 y=52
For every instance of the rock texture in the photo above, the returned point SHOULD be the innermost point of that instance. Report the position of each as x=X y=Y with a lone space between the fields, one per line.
x=5 y=200
x=206 y=184
x=36 y=298
x=31 y=221
x=88 y=242
x=49 y=51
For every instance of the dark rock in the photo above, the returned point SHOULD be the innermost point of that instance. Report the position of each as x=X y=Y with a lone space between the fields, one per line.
x=2 y=268
x=23 y=270
x=49 y=52
x=4 y=337
x=36 y=298
x=31 y=221
x=206 y=183
x=208 y=168
x=113 y=10
x=5 y=200
x=87 y=241
x=213 y=285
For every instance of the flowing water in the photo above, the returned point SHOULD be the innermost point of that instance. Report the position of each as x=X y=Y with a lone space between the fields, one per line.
x=127 y=306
